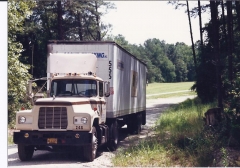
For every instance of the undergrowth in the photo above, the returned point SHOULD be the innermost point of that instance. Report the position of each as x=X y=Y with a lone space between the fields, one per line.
x=181 y=139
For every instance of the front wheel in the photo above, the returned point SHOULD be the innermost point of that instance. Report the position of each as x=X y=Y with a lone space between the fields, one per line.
x=90 y=151
x=25 y=153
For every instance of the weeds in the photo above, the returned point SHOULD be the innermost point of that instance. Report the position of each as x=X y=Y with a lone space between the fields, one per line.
x=10 y=140
x=224 y=157
x=181 y=140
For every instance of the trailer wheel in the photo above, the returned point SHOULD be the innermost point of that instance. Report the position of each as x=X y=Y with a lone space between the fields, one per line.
x=25 y=153
x=131 y=123
x=134 y=124
x=90 y=151
x=113 y=136
x=139 y=123
x=144 y=117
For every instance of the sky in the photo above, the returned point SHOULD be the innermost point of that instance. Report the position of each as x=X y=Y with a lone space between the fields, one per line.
x=138 y=21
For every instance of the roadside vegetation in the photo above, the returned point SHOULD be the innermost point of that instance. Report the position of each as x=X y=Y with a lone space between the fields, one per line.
x=181 y=137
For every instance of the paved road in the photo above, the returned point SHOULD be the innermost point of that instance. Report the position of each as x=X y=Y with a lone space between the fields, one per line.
x=61 y=160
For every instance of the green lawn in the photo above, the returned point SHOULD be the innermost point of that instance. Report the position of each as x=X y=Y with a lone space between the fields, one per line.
x=163 y=90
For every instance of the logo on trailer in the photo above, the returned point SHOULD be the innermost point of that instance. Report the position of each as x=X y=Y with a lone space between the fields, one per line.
x=110 y=69
x=100 y=55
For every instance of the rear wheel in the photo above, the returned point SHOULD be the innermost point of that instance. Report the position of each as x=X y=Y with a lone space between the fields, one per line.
x=144 y=117
x=139 y=123
x=113 y=137
x=90 y=151
x=25 y=153
x=134 y=124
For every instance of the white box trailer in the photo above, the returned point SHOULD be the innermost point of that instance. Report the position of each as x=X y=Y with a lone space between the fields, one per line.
x=126 y=74
x=94 y=88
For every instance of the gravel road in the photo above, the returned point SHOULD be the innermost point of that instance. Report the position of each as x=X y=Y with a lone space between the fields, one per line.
x=61 y=160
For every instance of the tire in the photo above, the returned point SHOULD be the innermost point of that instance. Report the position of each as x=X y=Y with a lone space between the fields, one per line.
x=25 y=153
x=113 y=136
x=144 y=118
x=90 y=151
x=139 y=123
x=131 y=124
x=134 y=124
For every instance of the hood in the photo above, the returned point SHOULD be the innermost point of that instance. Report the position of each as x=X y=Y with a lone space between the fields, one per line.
x=64 y=101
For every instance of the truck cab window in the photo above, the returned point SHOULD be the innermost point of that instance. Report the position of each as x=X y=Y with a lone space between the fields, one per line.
x=73 y=88
x=101 y=89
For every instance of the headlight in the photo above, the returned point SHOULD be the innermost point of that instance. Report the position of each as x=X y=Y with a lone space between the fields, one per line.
x=21 y=119
x=84 y=120
x=25 y=120
x=80 y=120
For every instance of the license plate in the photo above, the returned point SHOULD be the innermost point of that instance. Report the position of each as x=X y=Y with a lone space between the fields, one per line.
x=52 y=140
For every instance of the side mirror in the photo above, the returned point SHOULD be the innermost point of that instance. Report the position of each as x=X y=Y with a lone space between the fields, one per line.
x=29 y=88
x=106 y=89
x=29 y=93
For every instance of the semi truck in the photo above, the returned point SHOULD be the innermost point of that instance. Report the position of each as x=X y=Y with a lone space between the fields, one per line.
x=93 y=89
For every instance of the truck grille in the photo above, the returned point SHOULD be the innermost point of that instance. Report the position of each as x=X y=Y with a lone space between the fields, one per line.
x=52 y=118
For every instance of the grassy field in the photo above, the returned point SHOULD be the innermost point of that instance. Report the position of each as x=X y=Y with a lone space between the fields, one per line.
x=164 y=90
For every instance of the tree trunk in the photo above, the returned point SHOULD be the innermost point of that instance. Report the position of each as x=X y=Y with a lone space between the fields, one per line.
x=80 y=33
x=60 y=19
x=215 y=30
x=238 y=14
x=224 y=25
x=193 y=48
x=97 y=19
x=230 y=40
x=200 y=22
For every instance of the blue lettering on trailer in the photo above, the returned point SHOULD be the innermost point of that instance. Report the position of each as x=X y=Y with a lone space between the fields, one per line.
x=100 y=55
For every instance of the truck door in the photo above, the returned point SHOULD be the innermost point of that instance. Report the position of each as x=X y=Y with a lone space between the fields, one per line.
x=102 y=103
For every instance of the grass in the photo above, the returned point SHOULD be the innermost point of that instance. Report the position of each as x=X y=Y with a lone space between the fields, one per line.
x=180 y=140
x=167 y=95
x=10 y=140
x=154 y=88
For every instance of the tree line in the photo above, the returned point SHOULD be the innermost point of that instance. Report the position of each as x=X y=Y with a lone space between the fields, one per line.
x=165 y=62
x=213 y=61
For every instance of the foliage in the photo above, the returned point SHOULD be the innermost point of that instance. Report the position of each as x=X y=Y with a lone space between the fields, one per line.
x=165 y=62
x=17 y=71
x=232 y=108
x=80 y=20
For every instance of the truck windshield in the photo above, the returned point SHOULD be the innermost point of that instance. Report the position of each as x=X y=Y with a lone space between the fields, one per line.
x=73 y=88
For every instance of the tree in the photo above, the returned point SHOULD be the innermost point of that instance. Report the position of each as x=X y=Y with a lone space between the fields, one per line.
x=230 y=39
x=190 y=26
x=200 y=22
x=62 y=20
x=18 y=74
x=215 y=30
x=156 y=52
